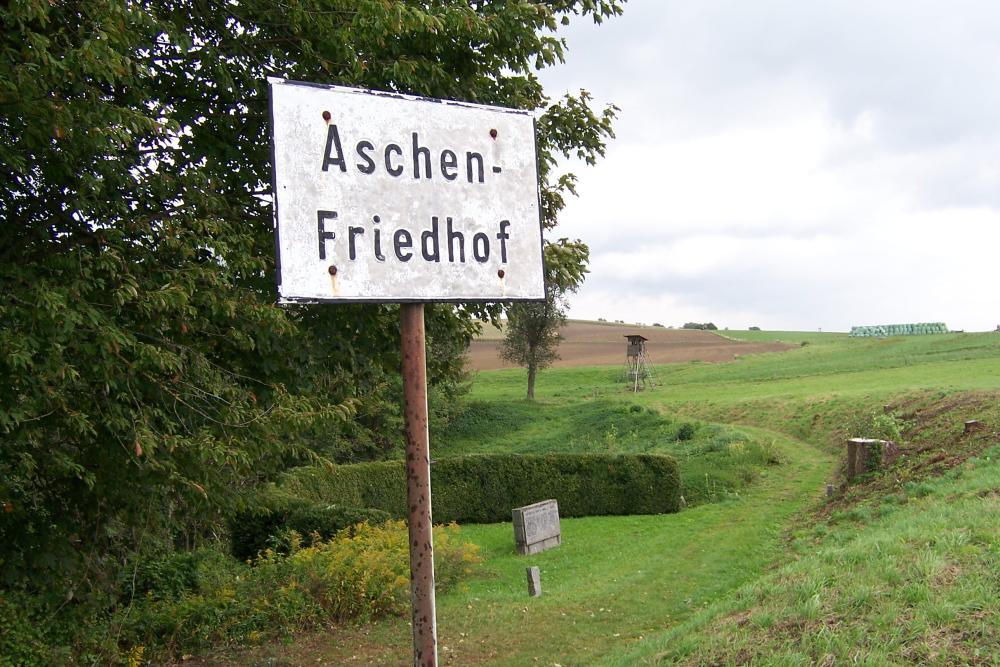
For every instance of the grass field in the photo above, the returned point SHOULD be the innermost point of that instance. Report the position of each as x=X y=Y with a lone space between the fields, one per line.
x=792 y=337
x=908 y=580
x=899 y=568
x=714 y=459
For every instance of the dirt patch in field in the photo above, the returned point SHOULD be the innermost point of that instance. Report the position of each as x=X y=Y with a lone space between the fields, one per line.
x=591 y=344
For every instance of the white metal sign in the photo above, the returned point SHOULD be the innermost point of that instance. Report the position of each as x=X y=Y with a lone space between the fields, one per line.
x=385 y=197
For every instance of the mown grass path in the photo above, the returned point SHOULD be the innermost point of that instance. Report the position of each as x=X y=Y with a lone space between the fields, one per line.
x=614 y=581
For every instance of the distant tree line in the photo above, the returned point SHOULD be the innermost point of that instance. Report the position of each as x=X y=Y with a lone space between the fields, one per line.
x=707 y=326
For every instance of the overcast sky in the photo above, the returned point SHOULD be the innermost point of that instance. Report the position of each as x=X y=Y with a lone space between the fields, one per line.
x=792 y=165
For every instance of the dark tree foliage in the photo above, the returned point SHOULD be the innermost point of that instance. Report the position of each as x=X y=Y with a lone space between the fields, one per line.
x=148 y=379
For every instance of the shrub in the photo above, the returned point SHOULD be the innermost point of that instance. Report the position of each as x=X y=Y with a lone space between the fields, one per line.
x=364 y=574
x=257 y=529
x=879 y=425
x=918 y=489
x=484 y=489
x=172 y=575
x=39 y=631
x=22 y=641
x=685 y=431
x=358 y=574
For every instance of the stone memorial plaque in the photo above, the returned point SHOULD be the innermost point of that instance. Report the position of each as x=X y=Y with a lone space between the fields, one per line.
x=536 y=527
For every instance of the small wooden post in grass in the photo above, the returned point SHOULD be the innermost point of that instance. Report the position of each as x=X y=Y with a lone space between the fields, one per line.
x=972 y=426
x=534 y=581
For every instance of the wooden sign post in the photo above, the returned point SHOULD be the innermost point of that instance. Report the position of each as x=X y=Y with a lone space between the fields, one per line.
x=388 y=198
x=418 y=485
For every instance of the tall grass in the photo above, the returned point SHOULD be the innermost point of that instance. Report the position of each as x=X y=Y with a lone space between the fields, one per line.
x=909 y=579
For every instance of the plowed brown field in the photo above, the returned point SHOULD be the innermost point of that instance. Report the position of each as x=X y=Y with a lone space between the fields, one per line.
x=594 y=344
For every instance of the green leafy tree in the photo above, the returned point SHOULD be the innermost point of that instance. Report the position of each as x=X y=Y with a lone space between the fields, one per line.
x=531 y=337
x=148 y=378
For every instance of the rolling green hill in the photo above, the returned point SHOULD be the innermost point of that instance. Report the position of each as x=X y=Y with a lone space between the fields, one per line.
x=764 y=568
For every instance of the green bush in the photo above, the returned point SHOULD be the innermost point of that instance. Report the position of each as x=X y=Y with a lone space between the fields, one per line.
x=361 y=573
x=879 y=425
x=22 y=640
x=685 y=431
x=484 y=489
x=169 y=576
x=255 y=530
x=364 y=574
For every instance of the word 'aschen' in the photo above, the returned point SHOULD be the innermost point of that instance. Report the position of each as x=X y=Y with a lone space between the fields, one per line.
x=392 y=159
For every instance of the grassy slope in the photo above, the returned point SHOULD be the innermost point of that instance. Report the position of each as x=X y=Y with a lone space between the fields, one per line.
x=835 y=364
x=780 y=336
x=899 y=568
x=914 y=585
x=617 y=579
x=714 y=459
x=614 y=581
x=911 y=581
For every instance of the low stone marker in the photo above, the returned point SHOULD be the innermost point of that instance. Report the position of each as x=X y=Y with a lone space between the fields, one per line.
x=534 y=581
x=536 y=527
x=867 y=455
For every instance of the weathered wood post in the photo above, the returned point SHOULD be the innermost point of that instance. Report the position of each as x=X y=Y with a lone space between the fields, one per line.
x=418 y=484
x=972 y=425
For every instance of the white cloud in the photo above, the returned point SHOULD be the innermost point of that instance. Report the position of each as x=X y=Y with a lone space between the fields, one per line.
x=792 y=165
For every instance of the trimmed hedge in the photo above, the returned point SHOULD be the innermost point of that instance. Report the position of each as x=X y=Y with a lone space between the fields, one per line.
x=252 y=531
x=485 y=488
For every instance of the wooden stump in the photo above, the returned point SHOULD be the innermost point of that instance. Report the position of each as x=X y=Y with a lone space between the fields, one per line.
x=867 y=455
x=973 y=425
